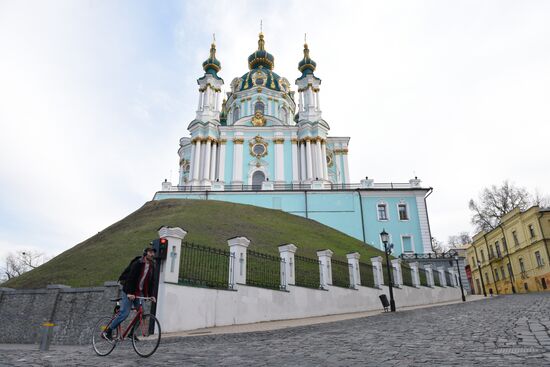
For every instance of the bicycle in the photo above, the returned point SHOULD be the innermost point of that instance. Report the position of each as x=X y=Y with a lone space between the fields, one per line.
x=144 y=330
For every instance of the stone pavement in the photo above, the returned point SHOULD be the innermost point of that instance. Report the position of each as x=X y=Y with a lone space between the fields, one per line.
x=501 y=331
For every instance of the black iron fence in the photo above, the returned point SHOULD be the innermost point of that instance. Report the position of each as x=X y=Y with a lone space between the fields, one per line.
x=449 y=279
x=437 y=281
x=406 y=273
x=341 y=274
x=367 y=275
x=385 y=274
x=307 y=273
x=203 y=266
x=423 y=277
x=263 y=270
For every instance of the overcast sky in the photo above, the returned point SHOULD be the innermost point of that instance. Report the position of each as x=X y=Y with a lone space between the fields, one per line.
x=94 y=96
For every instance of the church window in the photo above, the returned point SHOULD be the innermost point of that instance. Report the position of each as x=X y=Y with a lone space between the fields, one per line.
x=382 y=212
x=236 y=114
x=258 y=149
x=259 y=106
x=403 y=213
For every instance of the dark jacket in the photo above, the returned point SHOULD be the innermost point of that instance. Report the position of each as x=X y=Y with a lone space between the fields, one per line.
x=131 y=284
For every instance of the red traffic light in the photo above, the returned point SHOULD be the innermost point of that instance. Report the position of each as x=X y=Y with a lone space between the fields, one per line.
x=163 y=241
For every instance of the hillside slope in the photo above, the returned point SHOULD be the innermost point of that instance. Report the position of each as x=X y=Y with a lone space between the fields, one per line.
x=210 y=223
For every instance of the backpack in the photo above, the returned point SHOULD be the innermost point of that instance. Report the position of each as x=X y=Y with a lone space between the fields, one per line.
x=124 y=276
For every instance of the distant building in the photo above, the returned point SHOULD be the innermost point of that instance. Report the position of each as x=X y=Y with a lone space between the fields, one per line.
x=515 y=256
x=268 y=146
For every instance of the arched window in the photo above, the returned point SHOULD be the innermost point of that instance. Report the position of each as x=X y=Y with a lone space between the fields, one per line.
x=259 y=106
x=257 y=178
x=236 y=114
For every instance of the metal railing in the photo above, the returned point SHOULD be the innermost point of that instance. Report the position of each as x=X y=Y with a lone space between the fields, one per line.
x=437 y=282
x=307 y=272
x=449 y=279
x=406 y=274
x=367 y=275
x=203 y=266
x=385 y=274
x=423 y=277
x=263 y=270
x=341 y=274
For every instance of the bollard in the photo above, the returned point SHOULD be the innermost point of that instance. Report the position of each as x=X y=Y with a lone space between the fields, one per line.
x=47 y=331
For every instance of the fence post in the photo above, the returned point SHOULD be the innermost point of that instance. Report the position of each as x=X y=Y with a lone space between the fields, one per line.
x=325 y=268
x=429 y=275
x=354 y=274
x=286 y=252
x=441 y=273
x=238 y=247
x=377 y=270
x=397 y=274
x=415 y=274
x=169 y=269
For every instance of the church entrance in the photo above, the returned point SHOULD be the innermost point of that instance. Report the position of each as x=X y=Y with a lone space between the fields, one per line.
x=257 y=178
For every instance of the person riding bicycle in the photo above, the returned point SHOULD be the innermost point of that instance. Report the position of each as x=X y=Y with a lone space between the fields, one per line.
x=137 y=281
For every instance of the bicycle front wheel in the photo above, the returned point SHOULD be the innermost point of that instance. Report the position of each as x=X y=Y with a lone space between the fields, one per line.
x=146 y=335
x=101 y=346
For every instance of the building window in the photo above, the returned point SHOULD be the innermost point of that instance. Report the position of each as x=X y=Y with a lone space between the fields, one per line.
x=521 y=265
x=539 y=259
x=403 y=214
x=496 y=275
x=382 y=212
x=497 y=247
x=482 y=255
x=259 y=106
x=509 y=269
x=491 y=252
x=531 y=231
x=515 y=235
x=473 y=262
x=487 y=278
x=504 y=245
x=407 y=243
x=502 y=272
x=284 y=115
x=236 y=114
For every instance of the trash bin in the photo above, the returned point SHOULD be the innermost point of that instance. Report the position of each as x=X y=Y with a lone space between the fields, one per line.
x=385 y=302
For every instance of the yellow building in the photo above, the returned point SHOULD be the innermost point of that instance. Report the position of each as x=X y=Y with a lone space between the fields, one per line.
x=515 y=256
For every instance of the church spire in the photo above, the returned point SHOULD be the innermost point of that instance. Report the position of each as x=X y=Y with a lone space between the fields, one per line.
x=307 y=65
x=212 y=65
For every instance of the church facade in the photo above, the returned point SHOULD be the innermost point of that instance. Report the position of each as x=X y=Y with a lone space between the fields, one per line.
x=267 y=145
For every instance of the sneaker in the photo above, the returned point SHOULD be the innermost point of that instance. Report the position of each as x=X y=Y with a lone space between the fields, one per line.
x=107 y=335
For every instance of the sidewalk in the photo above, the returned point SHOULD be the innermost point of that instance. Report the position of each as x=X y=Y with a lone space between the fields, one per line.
x=283 y=324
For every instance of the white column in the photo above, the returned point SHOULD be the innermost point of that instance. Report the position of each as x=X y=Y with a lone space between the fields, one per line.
x=325 y=268
x=303 y=173
x=441 y=274
x=295 y=159
x=207 y=152
x=200 y=101
x=237 y=271
x=279 y=160
x=309 y=160
x=213 y=161
x=237 y=160
x=377 y=270
x=221 y=161
x=196 y=159
x=318 y=101
x=301 y=106
x=429 y=275
x=324 y=159
x=169 y=269
x=340 y=173
x=397 y=272
x=354 y=273
x=415 y=274
x=346 y=167
x=192 y=163
x=217 y=100
x=288 y=273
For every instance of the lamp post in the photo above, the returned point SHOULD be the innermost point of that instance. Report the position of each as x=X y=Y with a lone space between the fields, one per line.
x=459 y=278
x=387 y=250
x=481 y=276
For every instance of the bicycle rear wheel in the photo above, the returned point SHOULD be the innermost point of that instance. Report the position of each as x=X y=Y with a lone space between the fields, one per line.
x=146 y=335
x=101 y=346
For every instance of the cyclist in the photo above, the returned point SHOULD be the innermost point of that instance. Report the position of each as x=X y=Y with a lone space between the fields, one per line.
x=137 y=281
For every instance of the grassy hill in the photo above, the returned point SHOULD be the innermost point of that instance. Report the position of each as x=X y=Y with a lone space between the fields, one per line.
x=210 y=223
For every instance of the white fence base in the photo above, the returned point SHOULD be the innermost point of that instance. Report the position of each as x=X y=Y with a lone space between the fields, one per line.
x=189 y=308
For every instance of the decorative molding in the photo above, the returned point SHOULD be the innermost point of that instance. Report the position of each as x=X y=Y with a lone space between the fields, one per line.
x=278 y=140
x=294 y=141
x=238 y=140
x=222 y=141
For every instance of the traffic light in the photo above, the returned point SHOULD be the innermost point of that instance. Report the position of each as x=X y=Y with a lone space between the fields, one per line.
x=161 y=247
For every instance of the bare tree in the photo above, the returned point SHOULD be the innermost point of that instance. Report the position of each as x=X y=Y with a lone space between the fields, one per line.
x=463 y=238
x=437 y=246
x=494 y=202
x=20 y=262
x=541 y=200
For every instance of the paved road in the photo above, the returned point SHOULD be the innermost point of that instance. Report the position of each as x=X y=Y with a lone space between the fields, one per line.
x=502 y=331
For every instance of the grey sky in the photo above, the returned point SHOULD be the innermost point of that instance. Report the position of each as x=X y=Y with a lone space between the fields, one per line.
x=94 y=96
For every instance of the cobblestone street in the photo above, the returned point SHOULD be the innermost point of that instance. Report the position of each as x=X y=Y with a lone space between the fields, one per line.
x=502 y=331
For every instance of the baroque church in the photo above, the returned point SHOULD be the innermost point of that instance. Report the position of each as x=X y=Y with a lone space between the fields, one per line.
x=262 y=131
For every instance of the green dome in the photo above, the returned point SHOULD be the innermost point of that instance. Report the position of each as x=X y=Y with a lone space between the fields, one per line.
x=212 y=65
x=260 y=78
x=261 y=57
x=307 y=65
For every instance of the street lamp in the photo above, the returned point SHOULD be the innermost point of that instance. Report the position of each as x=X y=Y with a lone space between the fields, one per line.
x=387 y=250
x=481 y=276
x=459 y=278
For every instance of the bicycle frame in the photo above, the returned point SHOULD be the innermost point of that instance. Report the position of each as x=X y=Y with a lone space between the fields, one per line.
x=137 y=317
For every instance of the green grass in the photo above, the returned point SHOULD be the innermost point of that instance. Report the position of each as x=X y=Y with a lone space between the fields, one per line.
x=208 y=223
